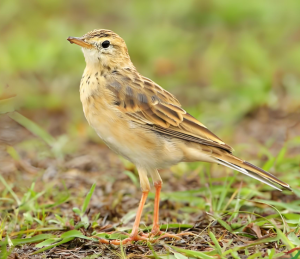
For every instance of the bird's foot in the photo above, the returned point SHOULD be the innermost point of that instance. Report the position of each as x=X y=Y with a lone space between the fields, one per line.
x=161 y=235
x=127 y=240
x=151 y=237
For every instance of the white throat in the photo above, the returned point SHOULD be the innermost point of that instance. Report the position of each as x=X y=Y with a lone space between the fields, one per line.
x=92 y=56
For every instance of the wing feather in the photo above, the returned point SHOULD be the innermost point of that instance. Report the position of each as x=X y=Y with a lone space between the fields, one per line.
x=148 y=104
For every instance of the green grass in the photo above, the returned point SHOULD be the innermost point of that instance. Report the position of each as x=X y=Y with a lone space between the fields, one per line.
x=32 y=220
x=233 y=65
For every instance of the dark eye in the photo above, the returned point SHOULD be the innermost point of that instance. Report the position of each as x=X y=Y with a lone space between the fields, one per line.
x=105 y=44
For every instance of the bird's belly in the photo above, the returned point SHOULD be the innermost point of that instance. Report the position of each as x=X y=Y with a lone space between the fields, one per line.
x=141 y=148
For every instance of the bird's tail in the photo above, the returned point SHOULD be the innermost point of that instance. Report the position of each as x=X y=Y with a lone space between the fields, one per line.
x=251 y=170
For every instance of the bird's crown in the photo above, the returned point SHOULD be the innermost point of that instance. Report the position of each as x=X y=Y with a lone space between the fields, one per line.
x=100 y=33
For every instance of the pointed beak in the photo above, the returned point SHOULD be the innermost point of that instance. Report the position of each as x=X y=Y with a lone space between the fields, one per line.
x=80 y=42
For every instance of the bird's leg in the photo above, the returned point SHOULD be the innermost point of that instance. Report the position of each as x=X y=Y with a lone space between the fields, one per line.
x=135 y=230
x=155 y=229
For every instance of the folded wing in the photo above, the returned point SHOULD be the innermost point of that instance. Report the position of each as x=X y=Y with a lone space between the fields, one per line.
x=148 y=104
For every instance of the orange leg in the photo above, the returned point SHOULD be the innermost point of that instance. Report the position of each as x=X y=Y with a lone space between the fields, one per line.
x=135 y=230
x=156 y=229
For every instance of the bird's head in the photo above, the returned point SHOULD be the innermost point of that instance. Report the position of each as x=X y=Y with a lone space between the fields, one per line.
x=103 y=47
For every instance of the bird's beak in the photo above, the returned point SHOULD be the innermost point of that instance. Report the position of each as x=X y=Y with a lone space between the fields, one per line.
x=80 y=42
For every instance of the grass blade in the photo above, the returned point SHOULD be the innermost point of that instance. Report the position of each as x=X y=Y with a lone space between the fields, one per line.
x=196 y=254
x=87 y=199
x=7 y=105
x=22 y=241
x=33 y=127
x=10 y=190
x=255 y=243
x=132 y=177
x=66 y=240
x=218 y=247
x=47 y=242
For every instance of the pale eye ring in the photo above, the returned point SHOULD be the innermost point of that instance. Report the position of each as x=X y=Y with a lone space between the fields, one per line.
x=105 y=44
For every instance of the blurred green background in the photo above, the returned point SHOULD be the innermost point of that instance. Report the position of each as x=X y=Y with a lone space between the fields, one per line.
x=234 y=65
x=224 y=60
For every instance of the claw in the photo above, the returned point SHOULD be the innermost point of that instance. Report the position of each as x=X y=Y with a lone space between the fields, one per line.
x=121 y=242
x=161 y=235
x=143 y=237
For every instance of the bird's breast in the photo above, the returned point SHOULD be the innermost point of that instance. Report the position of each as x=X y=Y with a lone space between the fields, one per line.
x=92 y=96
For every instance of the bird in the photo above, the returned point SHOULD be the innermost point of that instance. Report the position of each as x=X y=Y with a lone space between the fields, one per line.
x=144 y=123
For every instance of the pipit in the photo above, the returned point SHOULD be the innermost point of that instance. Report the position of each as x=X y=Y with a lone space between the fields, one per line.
x=144 y=123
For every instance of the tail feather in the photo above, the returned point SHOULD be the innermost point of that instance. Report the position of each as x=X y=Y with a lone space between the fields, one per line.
x=252 y=171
